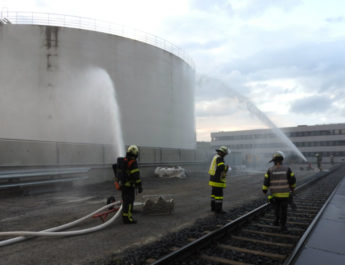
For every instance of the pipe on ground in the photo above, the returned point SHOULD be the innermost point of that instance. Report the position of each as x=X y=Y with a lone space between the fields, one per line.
x=51 y=232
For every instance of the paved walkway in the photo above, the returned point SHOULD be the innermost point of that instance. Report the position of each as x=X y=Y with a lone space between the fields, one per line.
x=326 y=243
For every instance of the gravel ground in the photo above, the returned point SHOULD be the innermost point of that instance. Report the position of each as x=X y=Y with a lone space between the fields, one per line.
x=41 y=211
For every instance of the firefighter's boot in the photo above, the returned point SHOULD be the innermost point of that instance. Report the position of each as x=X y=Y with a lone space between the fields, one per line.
x=126 y=220
x=213 y=206
x=219 y=208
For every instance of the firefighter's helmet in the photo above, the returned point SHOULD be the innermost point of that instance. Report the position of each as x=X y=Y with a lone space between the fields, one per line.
x=223 y=149
x=278 y=156
x=133 y=149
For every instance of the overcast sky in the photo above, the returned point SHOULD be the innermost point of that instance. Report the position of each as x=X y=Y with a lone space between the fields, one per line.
x=286 y=57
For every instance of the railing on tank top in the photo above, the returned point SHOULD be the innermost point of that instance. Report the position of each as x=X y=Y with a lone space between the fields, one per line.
x=52 y=19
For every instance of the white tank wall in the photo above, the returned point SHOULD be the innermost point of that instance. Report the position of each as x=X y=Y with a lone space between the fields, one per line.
x=56 y=85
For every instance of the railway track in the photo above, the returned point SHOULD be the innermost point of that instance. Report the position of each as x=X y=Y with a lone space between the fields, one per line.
x=244 y=235
x=252 y=238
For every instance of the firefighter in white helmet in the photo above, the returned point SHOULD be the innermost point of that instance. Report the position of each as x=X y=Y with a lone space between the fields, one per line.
x=217 y=181
x=281 y=181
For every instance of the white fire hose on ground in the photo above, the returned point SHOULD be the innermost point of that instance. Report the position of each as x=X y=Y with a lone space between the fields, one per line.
x=51 y=232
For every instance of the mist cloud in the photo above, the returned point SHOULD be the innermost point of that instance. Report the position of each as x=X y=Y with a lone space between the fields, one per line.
x=314 y=104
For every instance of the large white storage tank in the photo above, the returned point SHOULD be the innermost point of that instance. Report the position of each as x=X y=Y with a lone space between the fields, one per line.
x=57 y=84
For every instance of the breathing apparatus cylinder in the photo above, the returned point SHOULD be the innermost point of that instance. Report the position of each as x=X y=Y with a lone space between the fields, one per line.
x=119 y=171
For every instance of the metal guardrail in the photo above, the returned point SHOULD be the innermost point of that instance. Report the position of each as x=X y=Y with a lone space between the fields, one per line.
x=17 y=178
x=52 y=19
x=40 y=172
x=40 y=182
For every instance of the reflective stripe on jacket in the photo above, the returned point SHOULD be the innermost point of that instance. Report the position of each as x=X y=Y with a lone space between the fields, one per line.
x=217 y=172
x=280 y=180
x=132 y=173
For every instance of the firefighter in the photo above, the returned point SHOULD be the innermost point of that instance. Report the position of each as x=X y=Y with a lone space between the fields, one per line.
x=281 y=181
x=217 y=181
x=318 y=161
x=131 y=182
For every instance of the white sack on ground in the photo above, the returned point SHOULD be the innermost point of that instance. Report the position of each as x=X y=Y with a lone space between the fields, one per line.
x=171 y=172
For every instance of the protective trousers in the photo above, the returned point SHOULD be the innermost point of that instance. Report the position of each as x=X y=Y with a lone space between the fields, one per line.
x=280 y=210
x=128 y=196
x=217 y=199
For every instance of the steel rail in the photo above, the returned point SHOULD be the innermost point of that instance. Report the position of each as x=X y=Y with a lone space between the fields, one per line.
x=204 y=240
x=221 y=232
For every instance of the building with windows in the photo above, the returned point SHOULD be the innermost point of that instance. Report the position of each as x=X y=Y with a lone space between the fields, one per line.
x=255 y=147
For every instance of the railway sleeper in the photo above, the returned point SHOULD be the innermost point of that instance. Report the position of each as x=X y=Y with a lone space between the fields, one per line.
x=257 y=247
x=289 y=221
x=245 y=256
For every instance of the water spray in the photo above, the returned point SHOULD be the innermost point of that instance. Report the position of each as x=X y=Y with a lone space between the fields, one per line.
x=255 y=111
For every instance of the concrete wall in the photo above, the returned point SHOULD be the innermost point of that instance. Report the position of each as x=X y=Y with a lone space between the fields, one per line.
x=23 y=154
x=28 y=153
x=58 y=84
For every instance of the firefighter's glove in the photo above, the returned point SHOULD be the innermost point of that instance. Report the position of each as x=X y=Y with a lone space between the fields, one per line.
x=226 y=168
x=264 y=191
x=117 y=185
x=140 y=188
x=271 y=199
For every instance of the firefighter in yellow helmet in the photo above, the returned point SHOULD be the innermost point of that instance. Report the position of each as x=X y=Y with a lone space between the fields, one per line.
x=281 y=181
x=132 y=182
x=217 y=181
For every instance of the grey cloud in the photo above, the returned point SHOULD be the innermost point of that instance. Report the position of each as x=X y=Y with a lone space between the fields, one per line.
x=314 y=104
x=209 y=6
x=339 y=19
x=208 y=90
x=259 y=7
x=206 y=45
x=41 y=3
x=252 y=8
x=216 y=110
x=306 y=57
x=319 y=67
x=221 y=107
x=211 y=88
x=194 y=26
x=317 y=64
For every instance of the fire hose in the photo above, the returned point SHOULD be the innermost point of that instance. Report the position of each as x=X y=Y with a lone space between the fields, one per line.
x=51 y=232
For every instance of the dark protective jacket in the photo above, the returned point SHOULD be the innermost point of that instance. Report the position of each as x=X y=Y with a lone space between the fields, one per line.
x=132 y=176
x=280 y=180
x=217 y=172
